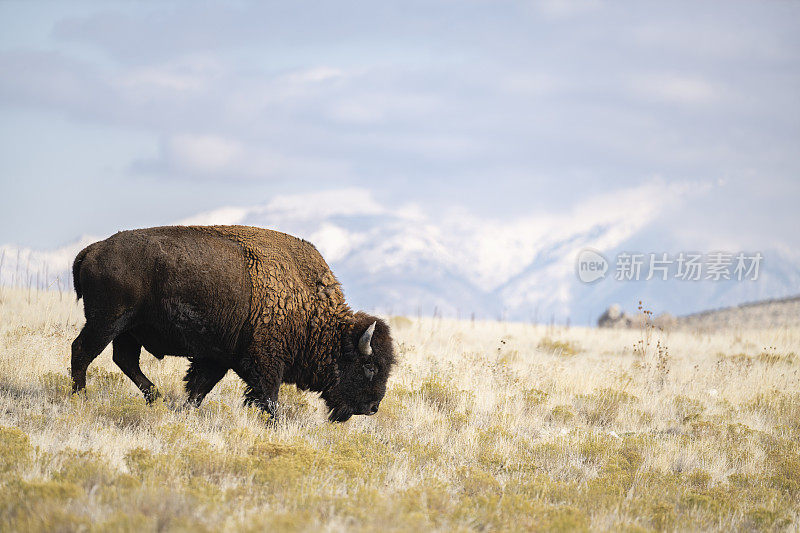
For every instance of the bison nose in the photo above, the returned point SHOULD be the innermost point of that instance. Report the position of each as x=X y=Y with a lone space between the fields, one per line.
x=373 y=408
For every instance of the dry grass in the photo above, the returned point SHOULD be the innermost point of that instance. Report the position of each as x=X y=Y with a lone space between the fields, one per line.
x=486 y=426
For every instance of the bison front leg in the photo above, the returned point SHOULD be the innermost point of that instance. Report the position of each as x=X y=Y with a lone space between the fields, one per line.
x=202 y=376
x=263 y=383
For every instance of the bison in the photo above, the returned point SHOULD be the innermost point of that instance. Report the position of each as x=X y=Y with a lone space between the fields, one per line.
x=259 y=302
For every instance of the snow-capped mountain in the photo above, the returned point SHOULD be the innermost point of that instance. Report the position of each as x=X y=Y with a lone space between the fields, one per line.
x=401 y=260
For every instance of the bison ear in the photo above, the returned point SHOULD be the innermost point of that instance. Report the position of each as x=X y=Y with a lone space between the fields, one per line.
x=364 y=345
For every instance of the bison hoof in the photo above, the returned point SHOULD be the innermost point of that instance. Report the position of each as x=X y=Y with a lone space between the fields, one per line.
x=151 y=395
x=268 y=408
x=193 y=402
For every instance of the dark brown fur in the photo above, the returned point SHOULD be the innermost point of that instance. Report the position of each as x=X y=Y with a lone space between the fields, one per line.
x=261 y=303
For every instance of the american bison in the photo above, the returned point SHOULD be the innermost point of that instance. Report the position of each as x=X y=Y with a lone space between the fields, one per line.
x=259 y=302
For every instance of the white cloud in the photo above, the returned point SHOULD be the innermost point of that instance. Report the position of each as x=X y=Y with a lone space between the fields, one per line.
x=357 y=111
x=203 y=153
x=698 y=38
x=566 y=8
x=157 y=78
x=381 y=105
x=531 y=83
x=189 y=156
x=471 y=103
x=335 y=242
x=675 y=88
x=315 y=75
x=221 y=216
x=325 y=204
x=182 y=78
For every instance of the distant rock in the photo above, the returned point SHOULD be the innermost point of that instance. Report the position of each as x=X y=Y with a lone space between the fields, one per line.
x=614 y=317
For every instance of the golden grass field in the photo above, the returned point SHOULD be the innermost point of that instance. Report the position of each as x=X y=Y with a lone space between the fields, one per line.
x=486 y=426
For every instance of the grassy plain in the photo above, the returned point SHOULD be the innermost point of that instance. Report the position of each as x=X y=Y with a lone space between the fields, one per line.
x=486 y=426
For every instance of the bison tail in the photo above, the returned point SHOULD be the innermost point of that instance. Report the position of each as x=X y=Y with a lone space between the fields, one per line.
x=76 y=271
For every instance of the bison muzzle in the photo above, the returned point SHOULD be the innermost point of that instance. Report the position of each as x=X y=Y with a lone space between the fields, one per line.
x=261 y=303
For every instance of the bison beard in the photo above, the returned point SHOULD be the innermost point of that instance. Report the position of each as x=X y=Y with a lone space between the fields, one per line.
x=261 y=303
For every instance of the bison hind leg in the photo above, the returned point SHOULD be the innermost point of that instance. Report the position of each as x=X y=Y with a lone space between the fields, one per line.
x=126 y=355
x=202 y=376
x=91 y=341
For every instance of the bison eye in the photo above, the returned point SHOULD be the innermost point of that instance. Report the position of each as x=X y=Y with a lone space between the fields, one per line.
x=369 y=371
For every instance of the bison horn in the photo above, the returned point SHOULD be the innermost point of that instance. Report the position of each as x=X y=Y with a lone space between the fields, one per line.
x=364 y=345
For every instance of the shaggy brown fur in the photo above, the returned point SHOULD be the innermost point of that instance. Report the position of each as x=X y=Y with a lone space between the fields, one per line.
x=262 y=303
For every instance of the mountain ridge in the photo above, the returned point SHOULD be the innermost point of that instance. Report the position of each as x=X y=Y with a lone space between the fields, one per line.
x=400 y=260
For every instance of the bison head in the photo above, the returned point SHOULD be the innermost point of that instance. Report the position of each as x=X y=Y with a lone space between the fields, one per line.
x=365 y=362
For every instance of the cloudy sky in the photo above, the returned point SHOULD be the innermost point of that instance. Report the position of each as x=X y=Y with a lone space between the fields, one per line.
x=137 y=114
